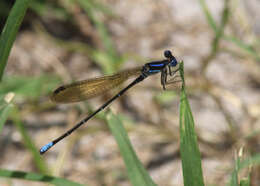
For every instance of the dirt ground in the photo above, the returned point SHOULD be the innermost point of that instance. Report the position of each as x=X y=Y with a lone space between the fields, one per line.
x=223 y=90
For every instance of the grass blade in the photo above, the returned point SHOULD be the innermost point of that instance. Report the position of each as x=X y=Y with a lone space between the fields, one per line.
x=10 y=30
x=246 y=47
x=37 y=177
x=39 y=163
x=242 y=45
x=249 y=162
x=5 y=109
x=136 y=172
x=209 y=17
x=190 y=155
x=234 y=175
x=108 y=58
x=28 y=87
x=245 y=182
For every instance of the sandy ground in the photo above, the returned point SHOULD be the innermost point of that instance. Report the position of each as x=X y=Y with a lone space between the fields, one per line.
x=225 y=98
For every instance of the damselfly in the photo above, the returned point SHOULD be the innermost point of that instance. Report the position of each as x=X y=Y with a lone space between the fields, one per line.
x=86 y=89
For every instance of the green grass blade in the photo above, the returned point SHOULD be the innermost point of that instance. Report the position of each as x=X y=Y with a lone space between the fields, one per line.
x=209 y=17
x=234 y=175
x=190 y=155
x=245 y=182
x=249 y=162
x=6 y=107
x=10 y=30
x=136 y=172
x=91 y=8
x=40 y=164
x=253 y=161
x=108 y=58
x=43 y=9
x=28 y=87
x=219 y=31
x=37 y=177
x=246 y=47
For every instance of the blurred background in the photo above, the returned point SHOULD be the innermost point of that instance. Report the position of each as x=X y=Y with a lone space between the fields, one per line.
x=64 y=41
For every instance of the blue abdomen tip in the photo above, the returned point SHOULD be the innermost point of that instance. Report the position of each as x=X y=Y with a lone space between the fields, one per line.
x=46 y=147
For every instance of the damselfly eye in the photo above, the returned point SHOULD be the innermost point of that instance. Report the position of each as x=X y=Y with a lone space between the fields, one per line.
x=168 y=54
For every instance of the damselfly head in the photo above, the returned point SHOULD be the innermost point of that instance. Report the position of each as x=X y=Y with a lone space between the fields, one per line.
x=168 y=54
x=172 y=60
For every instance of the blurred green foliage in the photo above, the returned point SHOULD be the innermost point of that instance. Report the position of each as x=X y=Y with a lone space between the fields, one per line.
x=136 y=171
x=28 y=87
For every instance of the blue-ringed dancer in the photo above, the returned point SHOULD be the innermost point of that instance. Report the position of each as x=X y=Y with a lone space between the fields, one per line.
x=86 y=89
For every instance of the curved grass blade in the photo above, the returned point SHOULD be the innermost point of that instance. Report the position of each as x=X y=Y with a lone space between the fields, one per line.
x=136 y=171
x=9 y=32
x=37 y=177
x=190 y=155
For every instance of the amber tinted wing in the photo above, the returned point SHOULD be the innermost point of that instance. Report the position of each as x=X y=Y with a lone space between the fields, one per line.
x=90 y=88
